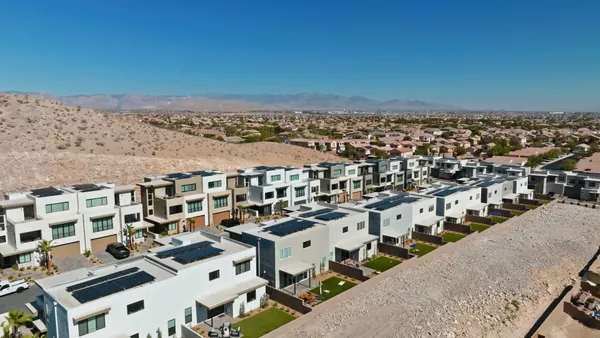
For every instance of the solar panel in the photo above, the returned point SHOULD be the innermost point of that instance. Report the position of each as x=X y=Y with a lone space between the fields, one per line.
x=197 y=255
x=113 y=286
x=45 y=192
x=178 y=175
x=331 y=216
x=383 y=201
x=449 y=192
x=290 y=227
x=182 y=249
x=315 y=213
x=397 y=203
x=101 y=279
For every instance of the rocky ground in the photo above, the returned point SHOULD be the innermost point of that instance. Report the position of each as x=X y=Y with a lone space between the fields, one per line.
x=493 y=284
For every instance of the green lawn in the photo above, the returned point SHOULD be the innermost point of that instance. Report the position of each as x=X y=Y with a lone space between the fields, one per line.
x=479 y=227
x=498 y=219
x=544 y=201
x=452 y=237
x=517 y=212
x=332 y=285
x=263 y=323
x=421 y=249
x=382 y=263
x=531 y=207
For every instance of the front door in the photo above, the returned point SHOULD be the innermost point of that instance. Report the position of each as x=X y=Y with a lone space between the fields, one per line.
x=216 y=311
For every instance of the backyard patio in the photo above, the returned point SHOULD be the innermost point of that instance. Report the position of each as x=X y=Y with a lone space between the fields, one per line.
x=382 y=263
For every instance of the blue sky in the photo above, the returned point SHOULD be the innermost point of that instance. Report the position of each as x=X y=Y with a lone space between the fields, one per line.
x=476 y=54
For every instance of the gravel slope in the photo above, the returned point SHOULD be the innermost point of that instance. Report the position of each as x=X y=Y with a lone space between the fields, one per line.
x=491 y=284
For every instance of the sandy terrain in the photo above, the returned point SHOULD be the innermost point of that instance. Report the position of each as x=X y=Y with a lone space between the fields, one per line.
x=43 y=142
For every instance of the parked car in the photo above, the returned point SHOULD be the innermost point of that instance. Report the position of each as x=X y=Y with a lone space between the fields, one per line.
x=231 y=222
x=118 y=250
x=7 y=287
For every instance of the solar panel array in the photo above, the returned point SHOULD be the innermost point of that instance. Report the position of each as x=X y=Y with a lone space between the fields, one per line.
x=383 y=201
x=178 y=175
x=45 y=192
x=113 y=286
x=101 y=279
x=331 y=216
x=198 y=255
x=396 y=203
x=289 y=227
x=486 y=184
x=182 y=249
x=449 y=192
x=315 y=213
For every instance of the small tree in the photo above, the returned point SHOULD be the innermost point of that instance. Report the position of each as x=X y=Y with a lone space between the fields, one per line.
x=264 y=300
x=148 y=336
x=45 y=247
x=322 y=147
x=314 y=270
x=322 y=267
x=192 y=223
x=131 y=234
x=158 y=333
x=17 y=319
x=242 y=309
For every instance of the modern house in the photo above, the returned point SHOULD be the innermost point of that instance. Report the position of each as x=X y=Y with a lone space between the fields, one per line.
x=576 y=185
x=447 y=167
x=339 y=181
x=194 y=278
x=454 y=202
x=239 y=192
x=76 y=218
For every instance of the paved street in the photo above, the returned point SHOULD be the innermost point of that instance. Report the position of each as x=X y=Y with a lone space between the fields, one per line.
x=18 y=300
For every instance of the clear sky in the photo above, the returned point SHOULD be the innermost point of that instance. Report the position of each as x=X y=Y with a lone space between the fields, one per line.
x=525 y=54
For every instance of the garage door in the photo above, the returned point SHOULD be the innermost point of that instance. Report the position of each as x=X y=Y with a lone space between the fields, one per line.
x=199 y=221
x=219 y=216
x=99 y=244
x=65 y=250
x=356 y=195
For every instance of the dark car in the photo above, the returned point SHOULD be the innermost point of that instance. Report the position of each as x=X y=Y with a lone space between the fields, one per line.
x=118 y=250
x=231 y=222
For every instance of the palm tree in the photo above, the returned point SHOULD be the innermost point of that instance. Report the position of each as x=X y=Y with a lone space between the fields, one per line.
x=45 y=246
x=242 y=210
x=281 y=207
x=130 y=233
x=192 y=223
x=5 y=331
x=17 y=319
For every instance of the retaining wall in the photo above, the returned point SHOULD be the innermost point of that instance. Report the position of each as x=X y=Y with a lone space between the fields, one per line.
x=501 y=212
x=511 y=206
x=288 y=300
x=465 y=229
x=529 y=202
x=394 y=250
x=479 y=219
x=349 y=271
x=542 y=197
x=428 y=238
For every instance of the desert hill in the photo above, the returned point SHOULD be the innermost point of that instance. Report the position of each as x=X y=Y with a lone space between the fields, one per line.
x=43 y=142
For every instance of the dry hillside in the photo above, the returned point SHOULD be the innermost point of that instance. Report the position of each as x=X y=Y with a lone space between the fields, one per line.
x=43 y=142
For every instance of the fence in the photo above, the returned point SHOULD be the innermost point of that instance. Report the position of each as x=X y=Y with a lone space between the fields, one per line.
x=347 y=270
x=394 y=250
x=428 y=238
x=465 y=229
x=500 y=212
x=542 y=197
x=511 y=206
x=579 y=315
x=529 y=202
x=288 y=300
x=479 y=219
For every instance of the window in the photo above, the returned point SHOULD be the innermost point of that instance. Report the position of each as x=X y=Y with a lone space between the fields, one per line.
x=137 y=335
x=175 y=209
x=315 y=190
x=269 y=195
x=477 y=197
x=344 y=229
x=2 y=239
x=294 y=177
x=306 y=245
x=285 y=253
x=394 y=167
x=194 y=206
x=63 y=230
x=300 y=192
x=102 y=224
x=337 y=172
x=384 y=168
x=24 y=258
x=251 y=296
x=214 y=275
x=28 y=212
x=495 y=192
x=132 y=218
x=189 y=187
x=135 y=307
x=456 y=202
x=92 y=324
x=242 y=267
x=399 y=216
x=171 y=328
x=360 y=226
x=431 y=207
x=356 y=184
x=421 y=211
x=351 y=171
x=56 y=207
x=386 y=222
x=173 y=226
x=275 y=178
x=214 y=184
x=592 y=184
x=96 y=202
x=368 y=246
x=448 y=206
x=368 y=182
x=188 y=315
x=220 y=202
x=139 y=234
x=470 y=198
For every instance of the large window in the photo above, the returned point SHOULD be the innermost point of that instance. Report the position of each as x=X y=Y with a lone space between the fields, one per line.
x=242 y=267
x=172 y=226
x=275 y=178
x=188 y=187
x=102 y=224
x=351 y=171
x=360 y=225
x=132 y=218
x=24 y=258
x=251 y=296
x=63 y=230
x=294 y=177
x=214 y=184
x=96 y=202
x=175 y=209
x=171 y=331
x=56 y=207
x=194 y=206
x=386 y=222
x=214 y=275
x=220 y=202
x=188 y=315
x=92 y=324
x=300 y=192
x=139 y=234
x=28 y=212
x=269 y=195
x=285 y=253
x=337 y=172
x=356 y=184
x=135 y=307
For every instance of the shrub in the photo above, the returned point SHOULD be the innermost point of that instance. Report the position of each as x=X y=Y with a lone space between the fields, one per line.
x=87 y=253
x=264 y=301
x=242 y=309
x=15 y=267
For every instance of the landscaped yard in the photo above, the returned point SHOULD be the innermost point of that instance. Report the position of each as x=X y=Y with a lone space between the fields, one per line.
x=530 y=206
x=452 y=236
x=382 y=263
x=498 y=219
x=544 y=201
x=479 y=227
x=263 y=323
x=517 y=212
x=421 y=249
x=331 y=287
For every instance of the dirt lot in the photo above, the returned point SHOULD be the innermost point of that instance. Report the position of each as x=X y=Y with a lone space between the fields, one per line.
x=490 y=284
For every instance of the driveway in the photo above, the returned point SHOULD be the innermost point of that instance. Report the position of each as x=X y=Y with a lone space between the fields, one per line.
x=71 y=263
x=105 y=257
x=18 y=300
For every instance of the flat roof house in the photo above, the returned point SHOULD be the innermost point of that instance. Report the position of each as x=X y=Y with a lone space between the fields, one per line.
x=576 y=185
x=339 y=181
x=453 y=202
x=194 y=278
x=76 y=218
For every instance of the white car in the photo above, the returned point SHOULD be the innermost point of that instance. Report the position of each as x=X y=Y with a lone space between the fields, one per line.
x=6 y=287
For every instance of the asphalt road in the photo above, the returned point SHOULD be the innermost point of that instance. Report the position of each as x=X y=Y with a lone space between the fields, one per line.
x=18 y=300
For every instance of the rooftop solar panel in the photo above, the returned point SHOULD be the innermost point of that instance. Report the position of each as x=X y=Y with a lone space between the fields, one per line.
x=449 y=192
x=203 y=173
x=182 y=249
x=331 y=216
x=178 y=176
x=383 y=201
x=397 y=203
x=45 y=192
x=101 y=279
x=315 y=212
x=197 y=255
x=113 y=286
x=289 y=227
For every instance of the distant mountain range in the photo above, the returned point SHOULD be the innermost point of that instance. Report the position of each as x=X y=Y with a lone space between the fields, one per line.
x=236 y=102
